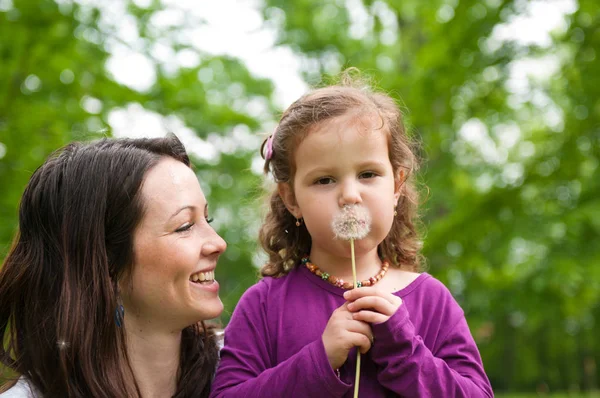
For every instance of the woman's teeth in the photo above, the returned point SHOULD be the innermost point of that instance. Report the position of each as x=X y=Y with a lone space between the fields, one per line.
x=200 y=277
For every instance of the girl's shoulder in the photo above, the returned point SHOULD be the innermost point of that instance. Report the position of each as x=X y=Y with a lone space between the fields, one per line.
x=436 y=287
x=22 y=389
x=269 y=287
x=399 y=282
x=404 y=283
x=430 y=295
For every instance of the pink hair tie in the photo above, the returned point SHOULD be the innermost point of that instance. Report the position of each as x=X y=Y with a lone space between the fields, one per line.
x=269 y=146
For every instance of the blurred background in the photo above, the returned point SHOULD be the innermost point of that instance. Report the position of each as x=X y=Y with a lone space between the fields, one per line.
x=503 y=96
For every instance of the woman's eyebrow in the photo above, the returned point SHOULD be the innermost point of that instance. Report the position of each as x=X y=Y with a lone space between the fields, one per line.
x=182 y=209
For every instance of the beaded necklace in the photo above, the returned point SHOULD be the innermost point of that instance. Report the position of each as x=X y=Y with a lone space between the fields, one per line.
x=335 y=281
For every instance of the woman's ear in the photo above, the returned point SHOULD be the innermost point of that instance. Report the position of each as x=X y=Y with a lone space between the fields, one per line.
x=286 y=193
x=398 y=183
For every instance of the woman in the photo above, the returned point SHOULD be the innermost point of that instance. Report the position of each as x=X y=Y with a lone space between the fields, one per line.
x=105 y=289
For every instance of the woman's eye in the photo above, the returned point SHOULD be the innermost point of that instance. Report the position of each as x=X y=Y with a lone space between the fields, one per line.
x=185 y=227
x=324 y=181
x=209 y=219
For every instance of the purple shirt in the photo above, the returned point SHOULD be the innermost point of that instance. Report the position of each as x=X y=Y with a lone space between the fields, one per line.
x=273 y=345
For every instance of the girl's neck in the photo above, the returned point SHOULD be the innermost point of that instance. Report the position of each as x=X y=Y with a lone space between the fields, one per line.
x=154 y=357
x=367 y=265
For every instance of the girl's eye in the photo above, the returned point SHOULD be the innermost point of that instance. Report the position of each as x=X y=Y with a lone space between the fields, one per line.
x=185 y=227
x=368 y=174
x=324 y=181
x=209 y=220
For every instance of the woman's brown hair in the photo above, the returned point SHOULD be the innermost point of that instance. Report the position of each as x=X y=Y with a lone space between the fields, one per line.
x=58 y=284
x=284 y=242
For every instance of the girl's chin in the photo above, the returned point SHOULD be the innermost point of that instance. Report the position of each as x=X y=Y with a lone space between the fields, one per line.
x=362 y=248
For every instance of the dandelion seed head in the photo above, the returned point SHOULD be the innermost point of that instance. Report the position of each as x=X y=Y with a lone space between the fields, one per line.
x=353 y=222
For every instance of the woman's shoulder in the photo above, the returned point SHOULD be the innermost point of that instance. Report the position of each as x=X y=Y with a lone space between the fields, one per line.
x=22 y=389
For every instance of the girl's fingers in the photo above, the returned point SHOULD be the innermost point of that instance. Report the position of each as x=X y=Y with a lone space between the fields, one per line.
x=378 y=304
x=356 y=326
x=355 y=294
x=361 y=341
x=343 y=311
x=370 y=317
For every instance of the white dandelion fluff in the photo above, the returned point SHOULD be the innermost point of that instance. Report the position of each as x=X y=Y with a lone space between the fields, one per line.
x=353 y=222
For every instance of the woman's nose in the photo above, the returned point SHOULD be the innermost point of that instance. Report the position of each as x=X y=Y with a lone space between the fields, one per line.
x=214 y=244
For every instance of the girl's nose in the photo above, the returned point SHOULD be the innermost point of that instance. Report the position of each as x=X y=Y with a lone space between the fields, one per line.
x=350 y=194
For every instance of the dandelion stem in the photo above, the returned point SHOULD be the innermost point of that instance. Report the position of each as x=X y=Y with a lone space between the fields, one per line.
x=355 y=281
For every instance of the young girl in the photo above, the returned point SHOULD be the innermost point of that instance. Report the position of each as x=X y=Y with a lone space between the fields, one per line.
x=296 y=332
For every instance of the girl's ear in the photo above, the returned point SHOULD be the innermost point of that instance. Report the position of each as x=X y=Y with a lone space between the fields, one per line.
x=398 y=183
x=286 y=193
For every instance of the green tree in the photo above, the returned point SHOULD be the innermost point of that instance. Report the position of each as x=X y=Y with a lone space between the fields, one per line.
x=56 y=88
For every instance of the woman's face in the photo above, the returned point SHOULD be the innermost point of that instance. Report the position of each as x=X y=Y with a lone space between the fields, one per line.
x=172 y=280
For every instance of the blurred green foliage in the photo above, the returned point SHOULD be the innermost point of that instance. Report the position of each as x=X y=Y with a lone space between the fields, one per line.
x=53 y=59
x=510 y=134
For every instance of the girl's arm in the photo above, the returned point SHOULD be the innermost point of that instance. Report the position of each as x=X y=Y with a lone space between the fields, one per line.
x=410 y=369
x=247 y=370
x=451 y=368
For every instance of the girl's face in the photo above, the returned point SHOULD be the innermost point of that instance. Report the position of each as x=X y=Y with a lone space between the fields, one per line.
x=174 y=248
x=343 y=161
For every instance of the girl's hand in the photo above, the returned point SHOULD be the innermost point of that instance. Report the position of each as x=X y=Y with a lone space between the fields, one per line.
x=343 y=333
x=370 y=304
